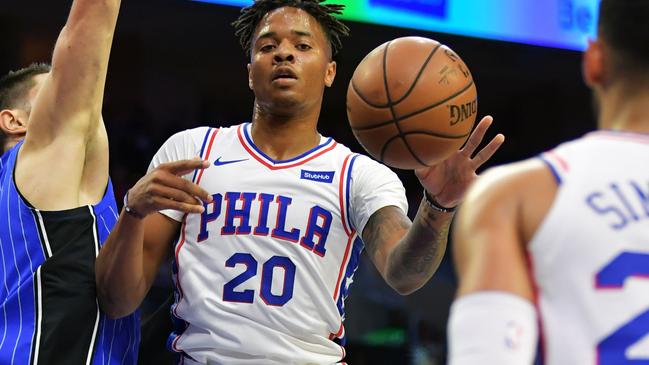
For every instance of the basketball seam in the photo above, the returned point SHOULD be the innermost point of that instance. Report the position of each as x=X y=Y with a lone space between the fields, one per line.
x=428 y=133
x=392 y=111
x=421 y=72
x=433 y=134
x=360 y=95
x=412 y=86
x=416 y=112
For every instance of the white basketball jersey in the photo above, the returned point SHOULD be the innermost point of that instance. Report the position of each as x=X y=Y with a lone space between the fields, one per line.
x=590 y=256
x=262 y=274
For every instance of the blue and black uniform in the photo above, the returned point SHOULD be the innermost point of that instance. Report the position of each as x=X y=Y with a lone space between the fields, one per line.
x=48 y=302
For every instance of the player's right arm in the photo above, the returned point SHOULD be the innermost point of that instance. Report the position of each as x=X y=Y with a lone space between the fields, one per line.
x=64 y=160
x=493 y=319
x=142 y=240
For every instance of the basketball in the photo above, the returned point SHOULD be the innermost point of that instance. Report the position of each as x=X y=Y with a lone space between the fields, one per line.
x=411 y=102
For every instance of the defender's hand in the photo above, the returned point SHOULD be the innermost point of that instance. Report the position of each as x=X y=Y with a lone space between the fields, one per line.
x=449 y=180
x=164 y=188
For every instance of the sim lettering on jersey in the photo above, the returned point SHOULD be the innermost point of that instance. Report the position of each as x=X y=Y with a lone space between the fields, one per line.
x=595 y=309
x=236 y=208
x=621 y=203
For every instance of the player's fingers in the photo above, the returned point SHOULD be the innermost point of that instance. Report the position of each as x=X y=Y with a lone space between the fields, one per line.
x=485 y=154
x=183 y=167
x=173 y=194
x=166 y=179
x=478 y=134
x=166 y=203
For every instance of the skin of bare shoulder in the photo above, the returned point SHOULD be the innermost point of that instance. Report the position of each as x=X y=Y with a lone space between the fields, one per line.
x=499 y=217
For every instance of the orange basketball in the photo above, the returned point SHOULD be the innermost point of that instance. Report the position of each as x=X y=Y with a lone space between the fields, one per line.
x=411 y=102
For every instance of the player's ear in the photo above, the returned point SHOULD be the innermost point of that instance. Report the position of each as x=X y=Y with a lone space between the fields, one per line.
x=593 y=64
x=330 y=74
x=12 y=124
x=249 y=76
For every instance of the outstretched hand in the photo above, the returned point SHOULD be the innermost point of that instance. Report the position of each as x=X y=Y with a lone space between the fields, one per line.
x=164 y=188
x=448 y=180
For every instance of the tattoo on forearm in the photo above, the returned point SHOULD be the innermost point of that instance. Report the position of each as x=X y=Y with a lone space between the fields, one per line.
x=382 y=225
x=423 y=262
x=428 y=228
x=429 y=216
x=417 y=262
x=408 y=252
x=418 y=253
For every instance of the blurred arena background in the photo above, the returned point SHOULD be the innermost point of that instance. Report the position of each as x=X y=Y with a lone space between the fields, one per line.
x=176 y=64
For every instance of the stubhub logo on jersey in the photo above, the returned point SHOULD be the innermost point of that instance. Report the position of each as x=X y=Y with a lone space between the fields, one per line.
x=311 y=236
x=320 y=176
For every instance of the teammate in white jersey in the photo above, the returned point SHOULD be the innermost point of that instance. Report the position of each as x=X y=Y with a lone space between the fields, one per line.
x=563 y=240
x=262 y=265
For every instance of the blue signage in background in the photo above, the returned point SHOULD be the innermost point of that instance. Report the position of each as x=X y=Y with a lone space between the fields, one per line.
x=573 y=15
x=433 y=8
x=551 y=23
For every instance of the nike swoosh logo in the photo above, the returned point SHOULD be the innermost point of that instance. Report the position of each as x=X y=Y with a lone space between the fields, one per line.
x=218 y=161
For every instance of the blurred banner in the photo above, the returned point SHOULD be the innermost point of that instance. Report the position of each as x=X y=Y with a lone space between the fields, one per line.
x=552 y=23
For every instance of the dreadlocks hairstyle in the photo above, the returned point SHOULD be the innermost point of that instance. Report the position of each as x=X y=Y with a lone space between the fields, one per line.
x=250 y=17
x=623 y=25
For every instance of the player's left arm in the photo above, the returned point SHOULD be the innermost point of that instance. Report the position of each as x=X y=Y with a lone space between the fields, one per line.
x=493 y=319
x=408 y=254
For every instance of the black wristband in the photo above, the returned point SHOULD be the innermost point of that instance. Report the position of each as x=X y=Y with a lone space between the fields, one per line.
x=130 y=211
x=430 y=201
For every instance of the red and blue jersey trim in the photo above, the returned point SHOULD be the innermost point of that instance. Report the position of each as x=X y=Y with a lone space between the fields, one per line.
x=179 y=324
x=541 y=345
x=243 y=132
x=344 y=191
x=206 y=149
x=353 y=248
x=557 y=165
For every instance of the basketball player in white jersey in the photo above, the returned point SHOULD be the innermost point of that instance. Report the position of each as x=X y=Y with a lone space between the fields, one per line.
x=263 y=264
x=563 y=239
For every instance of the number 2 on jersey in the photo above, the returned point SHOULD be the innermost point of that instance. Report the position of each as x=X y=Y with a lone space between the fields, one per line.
x=267 y=271
x=612 y=349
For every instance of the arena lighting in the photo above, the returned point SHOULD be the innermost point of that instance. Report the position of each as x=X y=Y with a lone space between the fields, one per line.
x=564 y=24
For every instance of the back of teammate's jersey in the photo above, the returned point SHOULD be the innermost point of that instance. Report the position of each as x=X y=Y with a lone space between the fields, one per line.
x=590 y=256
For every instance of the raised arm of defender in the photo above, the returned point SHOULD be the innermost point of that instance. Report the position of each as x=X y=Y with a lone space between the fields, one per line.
x=65 y=120
x=408 y=254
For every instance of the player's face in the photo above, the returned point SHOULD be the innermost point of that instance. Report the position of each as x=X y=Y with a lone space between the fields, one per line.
x=290 y=61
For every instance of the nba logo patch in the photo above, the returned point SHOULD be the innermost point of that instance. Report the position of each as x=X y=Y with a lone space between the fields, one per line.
x=319 y=176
